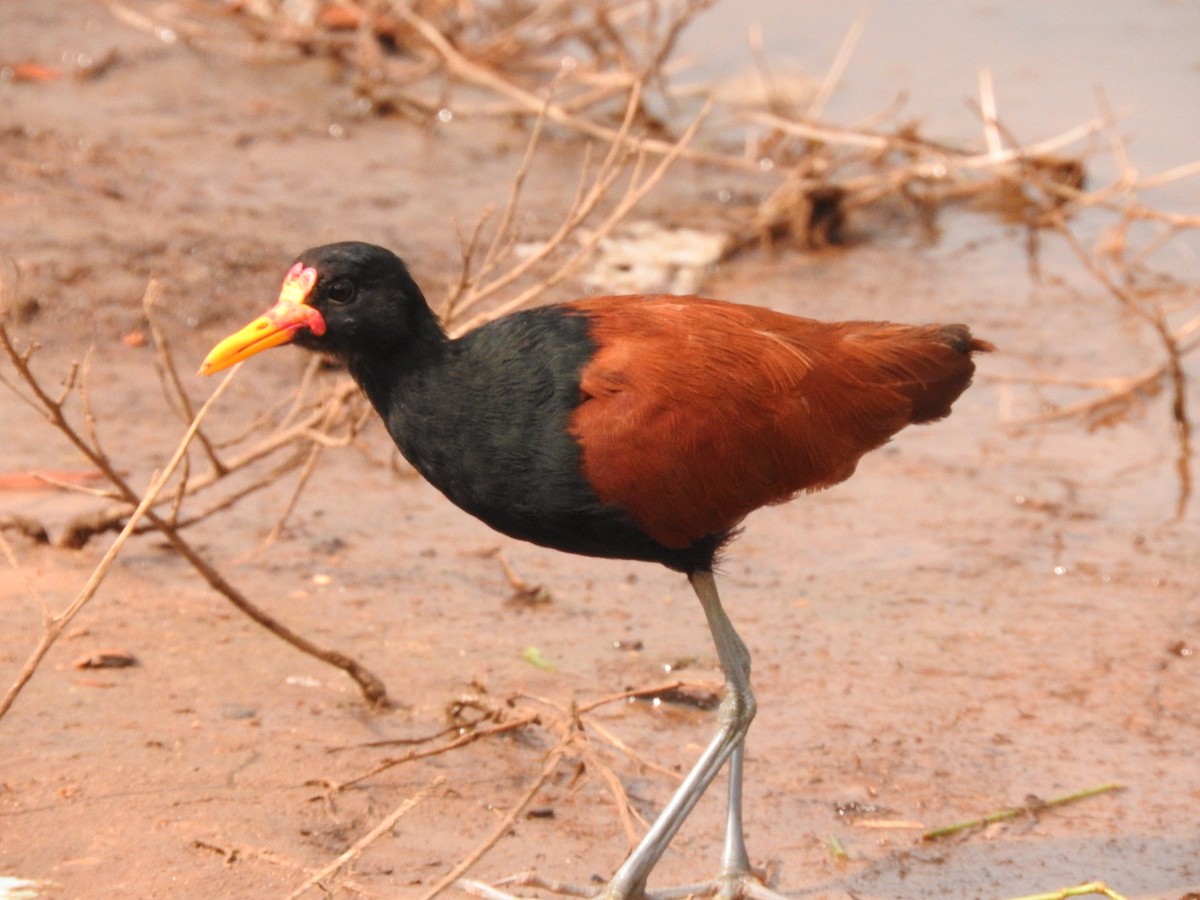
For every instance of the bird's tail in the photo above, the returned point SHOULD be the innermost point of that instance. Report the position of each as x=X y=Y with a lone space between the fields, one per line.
x=932 y=398
x=931 y=365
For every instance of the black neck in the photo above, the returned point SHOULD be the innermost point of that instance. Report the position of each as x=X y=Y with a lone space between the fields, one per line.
x=383 y=369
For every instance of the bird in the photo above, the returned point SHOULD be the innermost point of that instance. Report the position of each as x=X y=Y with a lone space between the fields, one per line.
x=636 y=427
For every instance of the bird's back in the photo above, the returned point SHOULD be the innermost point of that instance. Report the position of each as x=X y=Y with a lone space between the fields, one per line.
x=696 y=412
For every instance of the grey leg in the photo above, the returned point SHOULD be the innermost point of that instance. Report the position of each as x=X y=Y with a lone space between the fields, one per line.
x=735 y=879
x=734 y=717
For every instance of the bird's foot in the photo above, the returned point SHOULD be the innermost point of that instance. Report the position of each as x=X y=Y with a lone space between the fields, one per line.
x=738 y=885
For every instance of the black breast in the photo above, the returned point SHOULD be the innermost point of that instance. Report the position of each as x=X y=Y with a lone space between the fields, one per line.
x=486 y=422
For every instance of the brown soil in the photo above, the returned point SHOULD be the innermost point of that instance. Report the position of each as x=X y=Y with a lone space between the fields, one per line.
x=983 y=614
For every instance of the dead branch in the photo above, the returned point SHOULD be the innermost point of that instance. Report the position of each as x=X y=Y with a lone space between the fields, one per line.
x=610 y=170
x=383 y=827
x=1116 y=392
x=567 y=723
x=169 y=374
x=1154 y=315
x=338 y=407
x=53 y=625
x=570 y=728
x=462 y=740
x=568 y=63
x=585 y=203
x=87 y=444
x=548 y=766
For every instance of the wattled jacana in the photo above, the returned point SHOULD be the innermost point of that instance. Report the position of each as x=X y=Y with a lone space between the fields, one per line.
x=639 y=427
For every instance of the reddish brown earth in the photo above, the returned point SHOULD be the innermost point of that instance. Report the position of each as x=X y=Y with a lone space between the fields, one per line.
x=985 y=613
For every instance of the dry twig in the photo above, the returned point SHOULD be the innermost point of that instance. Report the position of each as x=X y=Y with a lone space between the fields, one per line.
x=1097 y=888
x=53 y=625
x=462 y=866
x=383 y=827
x=570 y=727
x=1015 y=811
x=137 y=506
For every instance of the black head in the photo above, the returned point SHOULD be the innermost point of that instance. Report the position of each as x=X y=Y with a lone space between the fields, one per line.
x=351 y=299
x=366 y=297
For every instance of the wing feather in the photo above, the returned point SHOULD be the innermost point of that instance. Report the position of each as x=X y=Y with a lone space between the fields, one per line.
x=696 y=412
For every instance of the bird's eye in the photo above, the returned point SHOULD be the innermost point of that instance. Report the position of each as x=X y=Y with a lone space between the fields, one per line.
x=340 y=291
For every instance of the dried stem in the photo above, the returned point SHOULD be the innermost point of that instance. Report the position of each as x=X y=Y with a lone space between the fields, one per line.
x=462 y=740
x=142 y=506
x=1015 y=811
x=1092 y=888
x=54 y=625
x=1176 y=377
x=637 y=190
x=177 y=396
x=548 y=766
x=384 y=826
x=566 y=722
x=585 y=203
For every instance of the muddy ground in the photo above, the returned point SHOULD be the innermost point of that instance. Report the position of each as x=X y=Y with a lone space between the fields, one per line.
x=986 y=613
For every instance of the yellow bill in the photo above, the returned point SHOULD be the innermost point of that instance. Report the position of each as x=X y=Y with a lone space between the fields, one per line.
x=276 y=326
